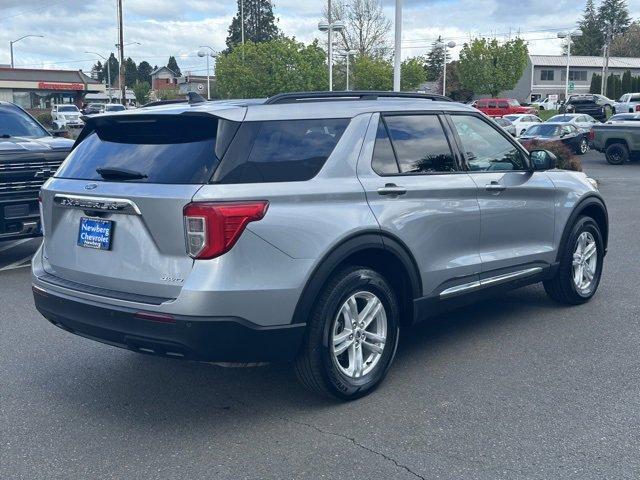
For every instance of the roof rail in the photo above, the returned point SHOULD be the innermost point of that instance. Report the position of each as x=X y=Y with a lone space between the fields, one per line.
x=349 y=95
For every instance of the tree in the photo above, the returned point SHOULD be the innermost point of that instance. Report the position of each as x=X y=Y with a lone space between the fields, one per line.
x=627 y=82
x=455 y=89
x=596 y=83
x=259 y=24
x=614 y=87
x=266 y=68
x=434 y=63
x=366 y=27
x=372 y=73
x=627 y=45
x=412 y=74
x=144 y=72
x=172 y=65
x=114 y=68
x=488 y=67
x=130 y=72
x=141 y=91
x=592 y=39
x=97 y=73
x=614 y=14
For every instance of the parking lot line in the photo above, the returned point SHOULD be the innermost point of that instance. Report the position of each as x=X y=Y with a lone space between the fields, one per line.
x=14 y=244
x=22 y=263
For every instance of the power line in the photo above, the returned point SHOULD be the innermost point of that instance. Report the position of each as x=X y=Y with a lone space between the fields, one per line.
x=470 y=35
x=48 y=4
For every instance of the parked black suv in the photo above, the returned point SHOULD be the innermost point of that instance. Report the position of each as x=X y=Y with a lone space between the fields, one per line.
x=29 y=154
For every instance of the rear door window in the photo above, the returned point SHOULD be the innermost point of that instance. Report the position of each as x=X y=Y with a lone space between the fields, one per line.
x=419 y=144
x=169 y=149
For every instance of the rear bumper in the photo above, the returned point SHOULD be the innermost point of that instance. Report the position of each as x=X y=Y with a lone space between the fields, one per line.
x=218 y=339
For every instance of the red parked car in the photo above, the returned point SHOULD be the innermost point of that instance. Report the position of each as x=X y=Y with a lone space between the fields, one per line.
x=499 y=107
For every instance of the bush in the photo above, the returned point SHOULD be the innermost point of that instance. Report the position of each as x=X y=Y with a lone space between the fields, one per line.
x=45 y=119
x=567 y=160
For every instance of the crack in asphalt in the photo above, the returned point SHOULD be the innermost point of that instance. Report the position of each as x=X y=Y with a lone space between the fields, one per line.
x=355 y=442
x=334 y=434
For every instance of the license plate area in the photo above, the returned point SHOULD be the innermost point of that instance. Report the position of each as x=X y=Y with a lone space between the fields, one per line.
x=95 y=233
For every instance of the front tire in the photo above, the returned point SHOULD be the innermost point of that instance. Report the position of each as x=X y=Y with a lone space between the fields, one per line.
x=580 y=269
x=352 y=335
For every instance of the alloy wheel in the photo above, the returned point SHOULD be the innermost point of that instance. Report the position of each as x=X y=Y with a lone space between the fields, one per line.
x=585 y=262
x=358 y=334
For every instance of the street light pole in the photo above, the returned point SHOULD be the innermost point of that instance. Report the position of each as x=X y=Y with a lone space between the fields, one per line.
x=202 y=53
x=451 y=44
x=108 y=73
x=397 y=57
x=16 y=41
x=568 y=36
x=330 y=27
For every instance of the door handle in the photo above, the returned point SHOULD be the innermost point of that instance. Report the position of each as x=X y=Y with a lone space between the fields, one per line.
x=495 y=187
x=392 y=190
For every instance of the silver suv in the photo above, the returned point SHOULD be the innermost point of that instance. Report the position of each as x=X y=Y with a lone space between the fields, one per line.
x=305 y=227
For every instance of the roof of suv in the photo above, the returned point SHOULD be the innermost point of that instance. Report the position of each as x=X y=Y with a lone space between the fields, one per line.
x=258 y=109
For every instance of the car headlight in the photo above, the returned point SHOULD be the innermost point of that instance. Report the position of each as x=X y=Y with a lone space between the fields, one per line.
x=593 y=182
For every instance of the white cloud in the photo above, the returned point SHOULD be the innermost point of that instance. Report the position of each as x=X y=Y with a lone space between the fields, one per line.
x=170 y=27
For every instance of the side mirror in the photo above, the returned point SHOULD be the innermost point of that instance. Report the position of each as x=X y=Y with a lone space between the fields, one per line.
x=543 y=160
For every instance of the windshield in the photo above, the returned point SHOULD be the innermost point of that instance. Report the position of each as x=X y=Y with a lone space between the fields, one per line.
x=114 y=108
x=561 y=118
x=16 y=123
x=514 y=103
x=68 y=108
x=542 y=131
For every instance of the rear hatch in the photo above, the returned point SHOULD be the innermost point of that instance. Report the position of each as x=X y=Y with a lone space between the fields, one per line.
x=113 y=213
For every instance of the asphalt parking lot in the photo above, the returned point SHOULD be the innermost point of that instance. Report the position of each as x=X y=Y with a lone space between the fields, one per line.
x=515 y=387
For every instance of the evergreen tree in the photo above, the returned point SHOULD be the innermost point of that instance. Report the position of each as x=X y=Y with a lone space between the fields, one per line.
x=434 y=61
x=627 y=82
x=114 y=66
x=592 y=39
x=172 y=65
x=97 y=73
x=596 y=83
x=614 y=14
x=259 y=23
x=144 y=72
x=130 y=72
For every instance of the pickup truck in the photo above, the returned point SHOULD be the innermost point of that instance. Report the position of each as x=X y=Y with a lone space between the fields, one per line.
x=628 y=103
x=598 y=106
x=29 y=154
x=619 y=141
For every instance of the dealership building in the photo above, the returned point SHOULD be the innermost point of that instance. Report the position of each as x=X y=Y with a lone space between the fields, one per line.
x=35 y=89
x=547 y=75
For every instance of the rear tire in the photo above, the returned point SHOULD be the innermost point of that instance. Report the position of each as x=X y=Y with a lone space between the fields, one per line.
x=617 y=154
x=580 y=269
x=342 y=359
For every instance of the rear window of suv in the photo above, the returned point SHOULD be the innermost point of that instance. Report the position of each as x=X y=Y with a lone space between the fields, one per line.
x=169 y=149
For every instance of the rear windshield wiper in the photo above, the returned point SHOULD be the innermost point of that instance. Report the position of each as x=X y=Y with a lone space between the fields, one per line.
x=119 y=174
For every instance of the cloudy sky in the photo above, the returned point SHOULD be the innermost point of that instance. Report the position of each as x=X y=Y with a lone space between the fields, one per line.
x=178 y=27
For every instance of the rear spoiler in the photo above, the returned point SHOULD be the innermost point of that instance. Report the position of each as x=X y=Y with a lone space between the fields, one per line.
x=233 y=113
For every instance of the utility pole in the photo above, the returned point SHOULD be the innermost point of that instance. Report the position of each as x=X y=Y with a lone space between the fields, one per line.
x=397 y=57
x=123 y=89
x=330 y=47
x=605 y=66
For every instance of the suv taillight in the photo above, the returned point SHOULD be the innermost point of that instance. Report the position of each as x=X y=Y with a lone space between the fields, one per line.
x=213 y=228
x=637 y=108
